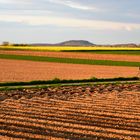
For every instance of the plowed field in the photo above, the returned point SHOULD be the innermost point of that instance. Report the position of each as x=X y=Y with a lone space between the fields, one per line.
x=15 y=70
x=101 y=112
x=114 y=57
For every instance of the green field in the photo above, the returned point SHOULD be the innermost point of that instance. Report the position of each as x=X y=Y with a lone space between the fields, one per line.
x=71 y=60
x=122 y=52
x=99 y=50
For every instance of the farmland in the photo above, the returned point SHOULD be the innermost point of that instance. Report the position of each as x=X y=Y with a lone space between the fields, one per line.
x=74 y=48
x=71 y=60
x=15 y=70
x=108 y=112
x=79 y=55
x=69 y=70
x=19 y=65
x=82 y=111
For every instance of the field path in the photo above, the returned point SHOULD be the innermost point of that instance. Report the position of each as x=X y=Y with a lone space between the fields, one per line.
x=20 y=70
x=115 y=57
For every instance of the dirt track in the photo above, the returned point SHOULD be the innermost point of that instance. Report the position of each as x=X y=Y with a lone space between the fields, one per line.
x=114 y=57
x=18 y=70
x=101 y=112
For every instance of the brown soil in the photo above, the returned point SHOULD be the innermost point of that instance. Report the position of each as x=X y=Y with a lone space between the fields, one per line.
x=19 y=70
x=114 y=57
x=101 y=112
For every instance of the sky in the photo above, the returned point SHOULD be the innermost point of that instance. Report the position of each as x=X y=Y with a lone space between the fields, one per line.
x=52 y=21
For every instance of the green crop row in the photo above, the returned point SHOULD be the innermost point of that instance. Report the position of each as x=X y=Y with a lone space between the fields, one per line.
x=70 y=60
x=122 y=52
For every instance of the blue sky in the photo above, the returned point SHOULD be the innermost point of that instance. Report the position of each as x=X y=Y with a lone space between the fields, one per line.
x=98 y=21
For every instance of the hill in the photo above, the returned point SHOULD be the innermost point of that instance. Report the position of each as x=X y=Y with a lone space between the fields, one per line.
x=67 y=43
x=76 y=43
x=79 y=43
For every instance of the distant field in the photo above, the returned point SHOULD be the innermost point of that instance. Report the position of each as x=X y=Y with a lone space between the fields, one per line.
x=46 y=65
x=112 y=50
x=70 y=60
x=79 y=55
x=15 y=70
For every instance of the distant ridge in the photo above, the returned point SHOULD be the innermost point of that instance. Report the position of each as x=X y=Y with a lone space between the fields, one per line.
x=76 y=43
x=81 y=43
x=67 y=43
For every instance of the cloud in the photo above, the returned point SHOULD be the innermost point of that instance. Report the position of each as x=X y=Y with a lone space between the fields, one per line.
x=5 y=1
x=69 y=22
x=133 y=15
x=75 y=5
x=15 y=1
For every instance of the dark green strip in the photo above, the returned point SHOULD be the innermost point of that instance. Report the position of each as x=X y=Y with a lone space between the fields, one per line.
x=70 y=60
x=58 y=81
x=122 y=52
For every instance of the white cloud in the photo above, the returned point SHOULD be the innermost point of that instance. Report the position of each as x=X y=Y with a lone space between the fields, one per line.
x=69 y=22
x=133 y=15
x=15 y=1
x=75 y=5
x=5 y=1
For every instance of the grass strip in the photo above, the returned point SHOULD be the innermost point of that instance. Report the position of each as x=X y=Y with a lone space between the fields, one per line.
x=7 y=88
x=58 y=81
x=70 y=60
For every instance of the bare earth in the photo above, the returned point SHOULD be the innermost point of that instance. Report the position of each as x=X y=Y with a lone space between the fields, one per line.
x=114 y=57
x=19 y=70
x=101 y=112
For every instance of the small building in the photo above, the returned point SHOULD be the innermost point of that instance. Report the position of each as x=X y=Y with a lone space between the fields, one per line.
x=5 y=43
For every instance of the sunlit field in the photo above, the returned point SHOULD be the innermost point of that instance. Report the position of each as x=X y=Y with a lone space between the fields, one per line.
x=69 y=70
x=52 y=93
x=101 y=112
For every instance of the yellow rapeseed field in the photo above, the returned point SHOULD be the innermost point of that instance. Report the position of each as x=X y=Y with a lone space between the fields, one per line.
x=65 y=48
